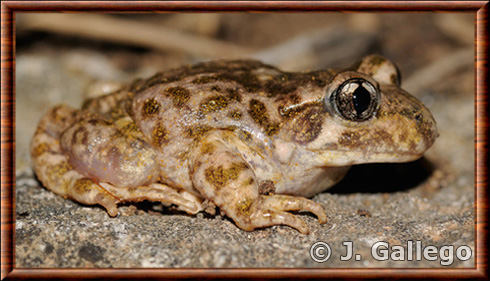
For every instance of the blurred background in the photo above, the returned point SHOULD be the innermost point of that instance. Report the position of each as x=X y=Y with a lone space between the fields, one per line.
x=61 y=57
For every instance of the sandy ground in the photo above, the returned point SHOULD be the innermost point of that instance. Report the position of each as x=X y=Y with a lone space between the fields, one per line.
x=429 y=202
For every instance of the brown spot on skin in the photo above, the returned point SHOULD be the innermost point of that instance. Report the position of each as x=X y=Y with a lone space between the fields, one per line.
x=220 y=177
x=207 y=148
x=197 y=131
x=267 y=187
x=80 y=136
x=249 y=81
x=160 y=135
x=288 y=99
x=307 y=126
x=213 y=104
x=40 y=149
x=233 y=95
x=425 y=128
x=410 y=113
x=245 y=136
x=369 y=65
x=183 y=155
x=282 y=84
x=55 y=172
x=205 y=79
x=244 y=206
x=159 y=78
x=248 y=182
x=289 y=111
x=118 y=112
x=293 y=111
x=383 y=137
x=272 y=129
x=412 y=144
x=286 y=83
x=349 y=138
x=180 y=95
x=93 y=121
x=112 y=105
x=258 y=112
x=377 y=60
x=150 y=108
x=56 y=116
x=83 y=185
x=215 y=88
x=237 y=115
x=130 y=131
x=363 y=137
x=294 y=99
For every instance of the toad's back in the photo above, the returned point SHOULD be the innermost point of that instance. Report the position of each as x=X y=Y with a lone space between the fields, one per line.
x=247 y=95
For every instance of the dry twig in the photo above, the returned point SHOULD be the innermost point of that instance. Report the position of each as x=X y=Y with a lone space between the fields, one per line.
x=113 y=29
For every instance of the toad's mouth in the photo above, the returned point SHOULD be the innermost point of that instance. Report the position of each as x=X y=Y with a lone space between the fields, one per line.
x=345 y=157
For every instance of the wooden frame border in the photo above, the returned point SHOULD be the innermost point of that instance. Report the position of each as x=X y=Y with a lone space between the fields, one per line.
x=8 y=10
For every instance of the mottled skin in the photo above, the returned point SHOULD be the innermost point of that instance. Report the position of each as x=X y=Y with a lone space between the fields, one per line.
x=240 y=135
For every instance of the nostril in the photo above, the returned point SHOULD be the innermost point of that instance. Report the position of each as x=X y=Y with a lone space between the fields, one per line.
x=418 y=117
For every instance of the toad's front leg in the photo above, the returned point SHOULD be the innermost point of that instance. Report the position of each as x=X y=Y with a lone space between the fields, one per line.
x=221 y=175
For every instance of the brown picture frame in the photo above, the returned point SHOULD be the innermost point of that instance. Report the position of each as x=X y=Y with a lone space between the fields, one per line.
x=10 y=8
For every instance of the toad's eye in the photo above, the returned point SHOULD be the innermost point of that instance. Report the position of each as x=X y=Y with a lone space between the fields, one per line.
x=355 y=99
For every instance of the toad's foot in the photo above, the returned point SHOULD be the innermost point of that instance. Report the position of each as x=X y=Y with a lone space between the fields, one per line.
x=157 y=192
x=221 y=175
x=268 y=210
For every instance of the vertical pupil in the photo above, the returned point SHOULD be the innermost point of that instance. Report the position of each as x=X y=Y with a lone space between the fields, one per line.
x=361 y=99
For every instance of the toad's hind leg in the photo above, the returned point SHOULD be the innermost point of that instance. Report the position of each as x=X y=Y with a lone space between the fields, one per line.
x=232 y=186
x=53 y=168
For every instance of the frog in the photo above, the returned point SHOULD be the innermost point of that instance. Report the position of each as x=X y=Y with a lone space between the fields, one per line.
x=236 y=136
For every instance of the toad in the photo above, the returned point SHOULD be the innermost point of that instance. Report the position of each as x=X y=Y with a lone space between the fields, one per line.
x=241 y=135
